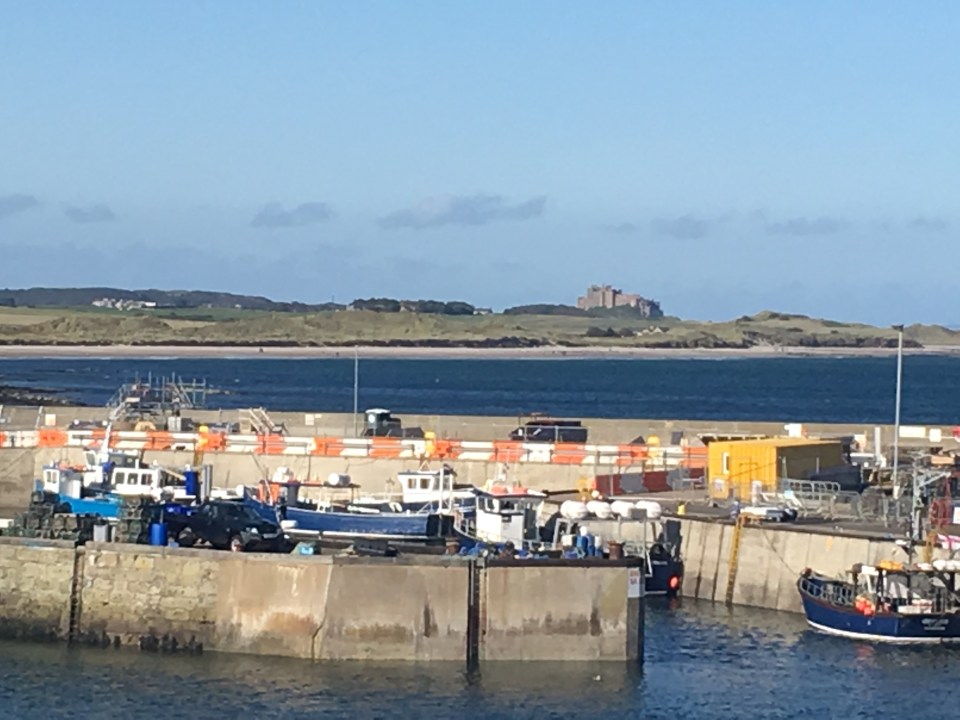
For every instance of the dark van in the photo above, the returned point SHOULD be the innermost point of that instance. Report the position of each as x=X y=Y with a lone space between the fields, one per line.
x=551 y=430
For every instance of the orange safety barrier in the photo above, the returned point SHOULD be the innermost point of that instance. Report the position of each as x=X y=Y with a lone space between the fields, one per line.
x=328 y=447
x=3 y=439
x=51 y=438
x=497 y=451
x=385 y=448
x=507 y=451
x=272 y=444
x=569 y=454
x=159 y=441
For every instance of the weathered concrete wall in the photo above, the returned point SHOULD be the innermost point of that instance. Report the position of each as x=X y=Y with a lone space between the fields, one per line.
x=36 y=577
x=331 y=608
x=314 y=607
x=770 y=560
x=575 y=613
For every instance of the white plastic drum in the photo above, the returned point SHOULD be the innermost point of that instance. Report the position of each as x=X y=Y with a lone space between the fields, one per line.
x=653 y=509
x=338 y=480
x=600 y=509
x=574 y=510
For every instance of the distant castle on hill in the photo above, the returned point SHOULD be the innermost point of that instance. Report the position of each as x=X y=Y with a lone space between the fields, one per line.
x=609 y=297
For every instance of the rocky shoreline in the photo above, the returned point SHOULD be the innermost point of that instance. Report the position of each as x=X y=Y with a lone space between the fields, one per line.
x=32 y=396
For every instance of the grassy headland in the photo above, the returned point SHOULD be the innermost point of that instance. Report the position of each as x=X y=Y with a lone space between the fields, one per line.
x=216 y=327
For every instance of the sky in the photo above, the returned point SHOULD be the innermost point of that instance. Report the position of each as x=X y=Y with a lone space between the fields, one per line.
x=722 y=158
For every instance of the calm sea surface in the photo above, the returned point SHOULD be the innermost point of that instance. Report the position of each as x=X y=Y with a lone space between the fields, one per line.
x=702 y=661
x=812 y=389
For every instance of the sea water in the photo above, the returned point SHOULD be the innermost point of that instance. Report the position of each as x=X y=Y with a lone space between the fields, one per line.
x=702 y=661
x=802 y=389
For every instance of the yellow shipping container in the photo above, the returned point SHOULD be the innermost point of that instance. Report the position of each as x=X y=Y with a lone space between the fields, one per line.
x=739 y=468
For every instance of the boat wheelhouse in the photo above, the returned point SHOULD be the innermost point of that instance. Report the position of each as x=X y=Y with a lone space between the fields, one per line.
x=503 y=514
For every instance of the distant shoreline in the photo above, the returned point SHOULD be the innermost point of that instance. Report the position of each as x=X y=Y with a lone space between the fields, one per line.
x=586 y=352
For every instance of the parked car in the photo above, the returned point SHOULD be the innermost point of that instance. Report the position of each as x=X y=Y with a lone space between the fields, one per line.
x=223 y=524
x=551 y=430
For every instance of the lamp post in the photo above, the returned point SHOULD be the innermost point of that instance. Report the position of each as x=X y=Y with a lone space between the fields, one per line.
x=896 y=419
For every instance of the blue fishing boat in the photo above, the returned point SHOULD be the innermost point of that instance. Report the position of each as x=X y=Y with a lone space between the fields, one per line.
x=892 y=602
x=886 y=603
x=281 y=502
x=421 y=490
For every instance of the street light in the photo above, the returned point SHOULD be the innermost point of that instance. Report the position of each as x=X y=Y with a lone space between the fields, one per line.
x=896 y=420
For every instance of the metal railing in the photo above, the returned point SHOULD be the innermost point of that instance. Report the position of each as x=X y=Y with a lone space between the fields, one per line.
x=833 y=592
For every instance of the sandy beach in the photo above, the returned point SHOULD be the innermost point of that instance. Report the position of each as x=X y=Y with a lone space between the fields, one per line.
x=213 y=351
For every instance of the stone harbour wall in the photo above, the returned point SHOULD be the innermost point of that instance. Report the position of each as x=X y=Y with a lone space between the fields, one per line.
x=36 y=581
x=137 y=594
x=318 y=607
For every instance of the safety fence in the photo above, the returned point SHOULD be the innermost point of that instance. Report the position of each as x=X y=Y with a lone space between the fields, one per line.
x=495 y=451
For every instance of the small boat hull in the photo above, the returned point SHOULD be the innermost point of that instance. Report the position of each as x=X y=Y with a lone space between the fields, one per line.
x=380 y=525
x=887 y=627
x=665 y=577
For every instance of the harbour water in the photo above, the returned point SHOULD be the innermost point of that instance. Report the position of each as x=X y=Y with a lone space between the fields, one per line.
x=804 y=389
x=702 y=660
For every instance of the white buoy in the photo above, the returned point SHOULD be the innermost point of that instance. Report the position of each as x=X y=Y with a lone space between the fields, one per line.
x=574 y=510
x=653 y=509
x=600 y=509
x=338 y=480
x=623 y=509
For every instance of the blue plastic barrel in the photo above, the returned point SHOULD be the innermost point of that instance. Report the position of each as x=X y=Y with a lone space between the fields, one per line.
x=191 y=479
x=591 y=546
x=158 y=534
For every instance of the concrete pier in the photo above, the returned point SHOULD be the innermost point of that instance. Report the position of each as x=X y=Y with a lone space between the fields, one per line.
x=19 y=466
x=319 y=607
x=770 y=558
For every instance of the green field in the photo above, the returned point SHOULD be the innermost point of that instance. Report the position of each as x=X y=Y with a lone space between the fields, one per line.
x=218 y=326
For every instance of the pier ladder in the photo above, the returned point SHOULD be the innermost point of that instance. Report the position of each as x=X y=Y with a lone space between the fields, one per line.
x=735 y=556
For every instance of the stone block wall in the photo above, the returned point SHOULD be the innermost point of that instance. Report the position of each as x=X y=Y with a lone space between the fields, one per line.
x=36 y=577
x=147 y=595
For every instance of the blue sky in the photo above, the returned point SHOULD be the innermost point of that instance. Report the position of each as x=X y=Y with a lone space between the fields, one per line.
x=722 y=158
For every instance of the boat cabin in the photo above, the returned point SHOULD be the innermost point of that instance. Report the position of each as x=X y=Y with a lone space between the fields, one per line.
x=430 y=486
x=130 y=480
x=508 y=516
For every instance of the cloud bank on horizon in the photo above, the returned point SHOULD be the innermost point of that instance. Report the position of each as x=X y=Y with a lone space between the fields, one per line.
x=275 y=216
x=468 y=210
x=720 y=160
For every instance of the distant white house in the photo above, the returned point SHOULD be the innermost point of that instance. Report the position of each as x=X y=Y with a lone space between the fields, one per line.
x=116 y=304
